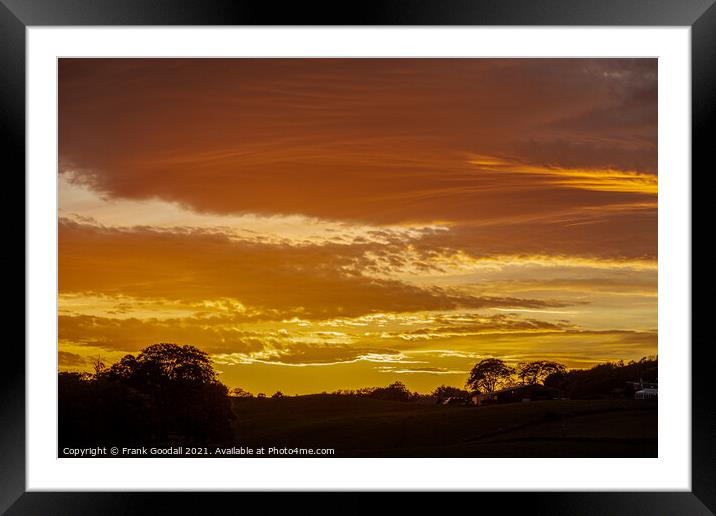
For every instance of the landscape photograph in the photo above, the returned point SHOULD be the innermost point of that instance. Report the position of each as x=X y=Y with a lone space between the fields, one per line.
x=357 y=257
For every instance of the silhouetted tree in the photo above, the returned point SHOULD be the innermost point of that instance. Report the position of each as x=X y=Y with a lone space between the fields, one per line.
x=166 y=392
x=98 y=366
x=396 y=391
x=277 y=394
x=603 y=380
x=169 y=362
x=488 y=375
x=537 y=371
x=238 y=392
x=445 y=391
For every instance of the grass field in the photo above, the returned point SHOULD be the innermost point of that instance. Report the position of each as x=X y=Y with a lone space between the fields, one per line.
x=361 y=427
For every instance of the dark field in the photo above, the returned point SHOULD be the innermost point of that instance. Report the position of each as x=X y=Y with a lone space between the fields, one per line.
x=360 y=427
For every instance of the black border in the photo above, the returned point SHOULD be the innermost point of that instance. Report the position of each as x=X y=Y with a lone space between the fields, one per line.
x=16 y=15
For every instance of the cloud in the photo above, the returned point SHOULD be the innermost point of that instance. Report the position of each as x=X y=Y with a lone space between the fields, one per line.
x=67 y=360
x=571 y=346
x=474 y=324
x=561 y=152
x=358 y=212
x=625 y=232
x=643 y=284
x=273 y=281
x=131 y=335
x=609 y=180
x=378 y=140
x=423 y=370
x=302 y=355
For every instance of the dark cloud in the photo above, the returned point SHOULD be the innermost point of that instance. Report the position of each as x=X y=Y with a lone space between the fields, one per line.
x=378 y=140
x=617 y=283
x=474 y=324
x=132 y=335
x=619 y=154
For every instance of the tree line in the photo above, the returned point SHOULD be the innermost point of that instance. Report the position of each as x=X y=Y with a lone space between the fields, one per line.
x=487 y=376
x=610 y=379
x=169 y=393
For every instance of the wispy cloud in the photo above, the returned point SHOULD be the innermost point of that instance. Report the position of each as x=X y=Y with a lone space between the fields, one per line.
x=605 y=180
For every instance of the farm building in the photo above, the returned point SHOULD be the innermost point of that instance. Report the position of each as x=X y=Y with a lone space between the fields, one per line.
x=648 y=393
x=643 y=390
x=472 y=399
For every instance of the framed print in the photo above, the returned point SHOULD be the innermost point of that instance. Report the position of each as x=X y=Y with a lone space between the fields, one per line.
x=408 y=249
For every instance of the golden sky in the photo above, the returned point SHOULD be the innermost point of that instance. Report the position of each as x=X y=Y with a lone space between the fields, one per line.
x=318 y=224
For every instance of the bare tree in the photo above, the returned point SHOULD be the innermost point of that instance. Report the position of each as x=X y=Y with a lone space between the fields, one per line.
x=98 y=366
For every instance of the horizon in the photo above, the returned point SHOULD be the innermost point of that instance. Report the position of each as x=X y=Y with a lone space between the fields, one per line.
x=512 y=382
x=325 y=224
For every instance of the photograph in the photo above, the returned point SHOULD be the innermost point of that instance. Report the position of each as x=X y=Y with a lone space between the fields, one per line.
x=403 y=257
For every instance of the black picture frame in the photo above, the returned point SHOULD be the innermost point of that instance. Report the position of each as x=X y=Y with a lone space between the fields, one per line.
x=17 y=15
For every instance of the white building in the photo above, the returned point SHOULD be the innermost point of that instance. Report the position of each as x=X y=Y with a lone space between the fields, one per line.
x=647 y=393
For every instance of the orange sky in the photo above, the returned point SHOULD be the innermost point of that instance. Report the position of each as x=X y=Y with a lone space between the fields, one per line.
x=318 y=224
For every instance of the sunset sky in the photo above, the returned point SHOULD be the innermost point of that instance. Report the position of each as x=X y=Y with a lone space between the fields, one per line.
x=317 y=224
